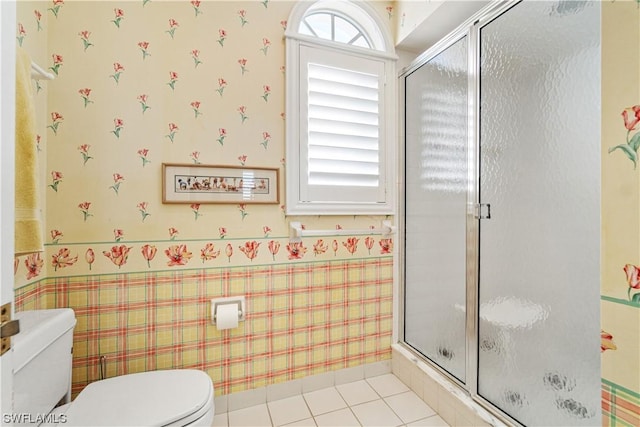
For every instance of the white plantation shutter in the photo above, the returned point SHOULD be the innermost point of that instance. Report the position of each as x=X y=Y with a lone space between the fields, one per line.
x=341 y=99
x=343 y=127
x=340 y=110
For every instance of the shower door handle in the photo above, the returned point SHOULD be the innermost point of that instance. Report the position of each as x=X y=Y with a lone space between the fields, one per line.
x=483 y=211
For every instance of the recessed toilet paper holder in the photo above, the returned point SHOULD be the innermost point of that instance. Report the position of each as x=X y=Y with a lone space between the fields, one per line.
x=217 y=302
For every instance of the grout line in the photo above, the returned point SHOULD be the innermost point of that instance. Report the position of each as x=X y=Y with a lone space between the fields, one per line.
x=355 y=416
x=308 y=408
x=373 y=388
x=269 y=412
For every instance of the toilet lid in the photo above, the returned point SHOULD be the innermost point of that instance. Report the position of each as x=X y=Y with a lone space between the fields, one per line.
x=156 y=398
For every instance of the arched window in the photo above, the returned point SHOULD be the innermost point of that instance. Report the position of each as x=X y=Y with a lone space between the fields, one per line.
x=340 y=110
x=331 y=26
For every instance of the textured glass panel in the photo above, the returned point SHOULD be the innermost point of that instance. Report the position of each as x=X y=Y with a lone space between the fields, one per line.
x=539 y=357
x=436 y=185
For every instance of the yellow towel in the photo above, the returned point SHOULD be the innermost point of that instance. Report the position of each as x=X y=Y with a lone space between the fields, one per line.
x=28 y=223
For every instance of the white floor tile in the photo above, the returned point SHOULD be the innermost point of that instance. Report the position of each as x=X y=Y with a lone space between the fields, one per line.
x=221 y=404
x=340 y=418
x=356 y=403
x=434 y=421
x=387 y=385
x=220 y=420
x=254 y=416
x=246 y=399
x=349 y=375
x=286 y=411
x=376 y=413
x=409 y=407
x=309 y=422
x=378 y=368
x=325 y=400
x=284 y=390
x=318 y=382
x=357 y=392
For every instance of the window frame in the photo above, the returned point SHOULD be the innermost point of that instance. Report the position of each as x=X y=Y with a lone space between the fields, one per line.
x=333 y=15
x=378 y=35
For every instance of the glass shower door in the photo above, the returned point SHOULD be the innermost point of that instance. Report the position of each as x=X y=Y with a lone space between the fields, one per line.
x=539 y=252
x=436 y=106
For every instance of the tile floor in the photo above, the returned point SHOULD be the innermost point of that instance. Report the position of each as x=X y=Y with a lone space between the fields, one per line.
x=377 y=401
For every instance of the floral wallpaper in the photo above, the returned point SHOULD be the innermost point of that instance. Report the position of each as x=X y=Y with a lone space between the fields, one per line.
x=631 y=117
x=620 y=239
x=139 y=84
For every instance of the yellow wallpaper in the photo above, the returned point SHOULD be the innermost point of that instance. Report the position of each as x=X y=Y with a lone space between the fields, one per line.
x=621 y=181
x=621 y=207
x=143 y=83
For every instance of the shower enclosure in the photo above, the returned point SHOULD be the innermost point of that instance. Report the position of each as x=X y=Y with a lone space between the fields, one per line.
x=502 y=210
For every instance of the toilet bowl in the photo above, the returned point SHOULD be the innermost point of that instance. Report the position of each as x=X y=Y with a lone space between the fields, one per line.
x=42 y=379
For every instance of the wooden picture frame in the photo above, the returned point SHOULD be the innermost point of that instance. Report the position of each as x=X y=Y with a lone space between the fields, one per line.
x=195 y=183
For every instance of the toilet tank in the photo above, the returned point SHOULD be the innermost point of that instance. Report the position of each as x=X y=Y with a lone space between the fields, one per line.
x=42 y=355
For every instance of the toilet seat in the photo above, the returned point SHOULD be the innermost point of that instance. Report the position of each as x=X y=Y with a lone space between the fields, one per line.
x=175 y=397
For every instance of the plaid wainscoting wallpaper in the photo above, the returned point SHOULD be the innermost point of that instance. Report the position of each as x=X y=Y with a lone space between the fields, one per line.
x=302 y=319
x=620 y=406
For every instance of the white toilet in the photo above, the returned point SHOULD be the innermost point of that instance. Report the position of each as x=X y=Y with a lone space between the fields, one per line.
x=42 y=379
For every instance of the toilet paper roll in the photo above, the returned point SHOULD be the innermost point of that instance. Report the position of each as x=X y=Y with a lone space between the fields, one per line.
x=226 y=316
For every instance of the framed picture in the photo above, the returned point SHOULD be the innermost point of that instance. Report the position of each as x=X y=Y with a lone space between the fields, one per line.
x=186 y=183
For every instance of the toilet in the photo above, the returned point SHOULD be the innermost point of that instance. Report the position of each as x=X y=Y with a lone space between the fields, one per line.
x=42 y=380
